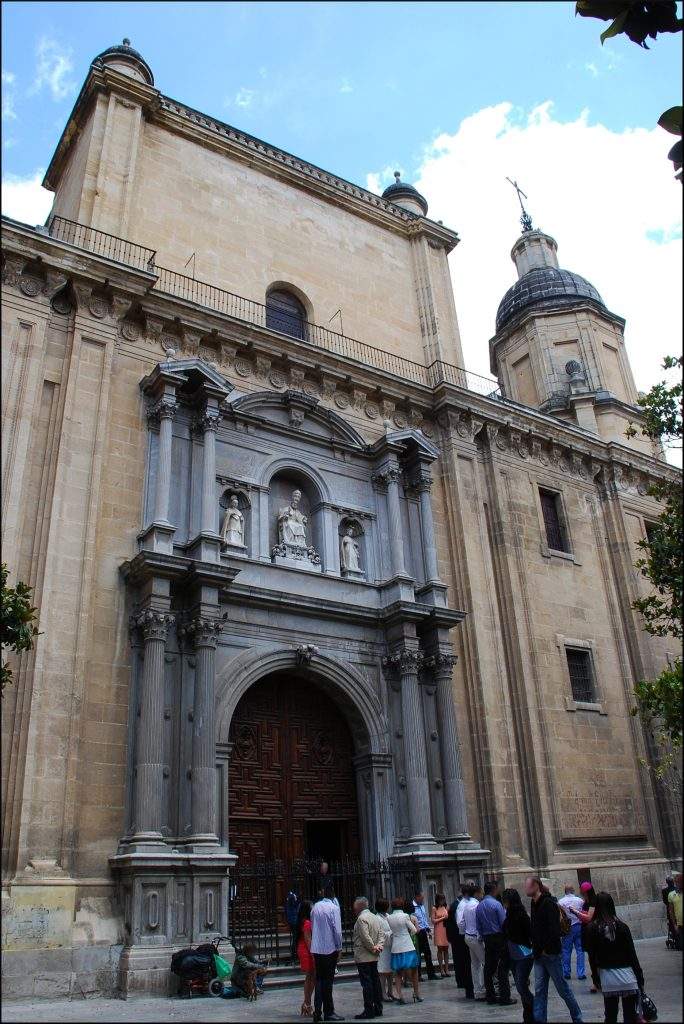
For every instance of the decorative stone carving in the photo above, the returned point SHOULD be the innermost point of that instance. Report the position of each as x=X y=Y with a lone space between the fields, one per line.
x=243 y=368
x=233 y=530
x=306 y=653
x=342 y=400
x=371 y=410
x=277 y=379
x=98 y=305
x=30 y=285
x=130 y=330
x=400 y=419
x=165 y=408
x=263 y=367
x=153 y=625
x=405 y=659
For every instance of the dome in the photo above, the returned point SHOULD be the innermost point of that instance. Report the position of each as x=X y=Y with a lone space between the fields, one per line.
x=405 y=195
x=545 y=286
x=125 y=54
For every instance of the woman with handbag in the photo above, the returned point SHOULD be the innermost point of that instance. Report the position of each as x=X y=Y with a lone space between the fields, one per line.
x=615 y=965
x=517 y=930
x=405 y=959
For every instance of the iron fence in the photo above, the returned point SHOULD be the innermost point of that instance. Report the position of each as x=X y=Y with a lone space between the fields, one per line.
x=208 y=296
x=258 y=891
x=101 y=243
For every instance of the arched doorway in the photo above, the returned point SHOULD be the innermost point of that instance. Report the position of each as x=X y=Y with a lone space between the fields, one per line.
x=292 y=783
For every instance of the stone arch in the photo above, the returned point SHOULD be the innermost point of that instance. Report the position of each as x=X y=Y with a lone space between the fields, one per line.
x=296 y=466
x=302 y=297
x=344 y=684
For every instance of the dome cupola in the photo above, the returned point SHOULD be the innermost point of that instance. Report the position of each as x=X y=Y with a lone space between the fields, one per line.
x=409 y=198
x=124 y=58
x=541 y=282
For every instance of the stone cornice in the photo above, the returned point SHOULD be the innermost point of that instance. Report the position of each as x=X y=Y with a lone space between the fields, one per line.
x=149 y=322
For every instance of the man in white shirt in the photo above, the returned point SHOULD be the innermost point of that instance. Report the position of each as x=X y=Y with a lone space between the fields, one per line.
x=571 y=904
x=326 y=943
x=467 y=925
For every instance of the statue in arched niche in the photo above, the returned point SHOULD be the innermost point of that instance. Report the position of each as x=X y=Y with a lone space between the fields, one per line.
x=233 y=532
x=350 y=549
x=292 y=523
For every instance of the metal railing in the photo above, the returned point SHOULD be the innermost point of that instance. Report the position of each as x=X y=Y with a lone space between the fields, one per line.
x=237 y=306
x=102 y=244
x=208 y=296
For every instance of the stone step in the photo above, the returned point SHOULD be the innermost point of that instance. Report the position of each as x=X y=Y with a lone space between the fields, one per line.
x=290 y=976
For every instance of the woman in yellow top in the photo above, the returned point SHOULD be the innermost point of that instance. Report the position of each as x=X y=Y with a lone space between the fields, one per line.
x=439 y=918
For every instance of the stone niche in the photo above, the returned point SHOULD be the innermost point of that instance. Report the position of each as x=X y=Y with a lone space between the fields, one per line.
x=281 y=490
x=229 y=546
x=350 y=523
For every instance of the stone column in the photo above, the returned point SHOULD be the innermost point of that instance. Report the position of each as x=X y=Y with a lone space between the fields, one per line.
x=427 y=528
x=149 y=756
x=407 y=663
x=208 y=423
x=204 y=633
x=390 y=477
x=452 y=771
x=163 y=412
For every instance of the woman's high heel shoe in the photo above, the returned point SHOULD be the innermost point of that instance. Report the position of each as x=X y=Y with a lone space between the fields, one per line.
x=307 y=1010
x=417 y=999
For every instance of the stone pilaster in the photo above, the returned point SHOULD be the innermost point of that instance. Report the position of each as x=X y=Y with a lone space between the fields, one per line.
x=405 y=662
x=203 y=633
x=206 y=545
x=149 y=757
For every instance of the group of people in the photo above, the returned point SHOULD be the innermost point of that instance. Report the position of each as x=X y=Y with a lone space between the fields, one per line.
x=388 y=942
x=491 y=934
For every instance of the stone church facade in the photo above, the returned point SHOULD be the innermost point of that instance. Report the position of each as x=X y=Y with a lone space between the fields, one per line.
x=301 y=591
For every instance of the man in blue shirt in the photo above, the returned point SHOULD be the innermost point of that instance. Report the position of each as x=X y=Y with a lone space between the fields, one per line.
x=490 y=916
x=423 y=936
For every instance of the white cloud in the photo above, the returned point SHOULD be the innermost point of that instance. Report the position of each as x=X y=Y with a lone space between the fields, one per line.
x=609 y=198
x=346 y=86
x=53 y=67
x=8 y=111
x=244 y=98
x=378 y=182
x=25 y=199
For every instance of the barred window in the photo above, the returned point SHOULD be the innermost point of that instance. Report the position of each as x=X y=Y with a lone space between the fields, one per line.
x=556 y=533
x=581 y=675
x=285 y=313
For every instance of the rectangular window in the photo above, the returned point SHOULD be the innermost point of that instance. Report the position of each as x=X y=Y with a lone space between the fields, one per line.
x=652 y=531
x=556 y=534
x=581 y=675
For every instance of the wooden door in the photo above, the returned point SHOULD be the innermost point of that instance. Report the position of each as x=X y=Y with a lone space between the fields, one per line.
x=291 y=764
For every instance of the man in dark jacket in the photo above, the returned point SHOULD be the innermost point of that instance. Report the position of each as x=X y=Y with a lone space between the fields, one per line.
x=546 y=949
x=459 y=950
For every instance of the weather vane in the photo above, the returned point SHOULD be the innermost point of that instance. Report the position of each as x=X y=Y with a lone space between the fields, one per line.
x=525 y=218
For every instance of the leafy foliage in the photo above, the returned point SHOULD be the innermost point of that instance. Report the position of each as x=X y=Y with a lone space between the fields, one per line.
x=17 y=621
x=659 y=701
x=640 y=21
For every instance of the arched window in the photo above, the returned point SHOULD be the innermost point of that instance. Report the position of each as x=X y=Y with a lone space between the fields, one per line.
x=285 y=313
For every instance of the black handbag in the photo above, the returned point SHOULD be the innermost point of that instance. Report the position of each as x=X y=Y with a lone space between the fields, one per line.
x=649 y=1010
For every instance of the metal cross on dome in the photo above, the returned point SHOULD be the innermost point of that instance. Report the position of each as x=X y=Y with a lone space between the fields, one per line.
x=525 y=218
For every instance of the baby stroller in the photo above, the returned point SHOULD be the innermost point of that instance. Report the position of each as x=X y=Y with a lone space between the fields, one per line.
x=202 y=971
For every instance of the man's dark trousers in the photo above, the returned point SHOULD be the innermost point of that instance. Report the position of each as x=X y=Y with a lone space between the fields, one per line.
x=496 y=962
x=325 y=976
x=371 y=988
x=424 y=950
x=462 y=970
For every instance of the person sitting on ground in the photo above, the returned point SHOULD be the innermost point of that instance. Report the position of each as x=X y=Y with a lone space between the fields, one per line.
x=614 y=959
x=248 y=972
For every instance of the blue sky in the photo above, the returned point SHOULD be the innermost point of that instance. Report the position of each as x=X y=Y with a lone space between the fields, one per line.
x=458 y=96
x=350 y=86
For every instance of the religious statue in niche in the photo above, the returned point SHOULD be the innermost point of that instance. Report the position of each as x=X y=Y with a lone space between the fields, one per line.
x=292 y=525
x=233 y=532
x=350 y=551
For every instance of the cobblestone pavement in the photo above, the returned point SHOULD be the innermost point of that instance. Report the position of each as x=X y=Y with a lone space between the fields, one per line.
x=442 y=1002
